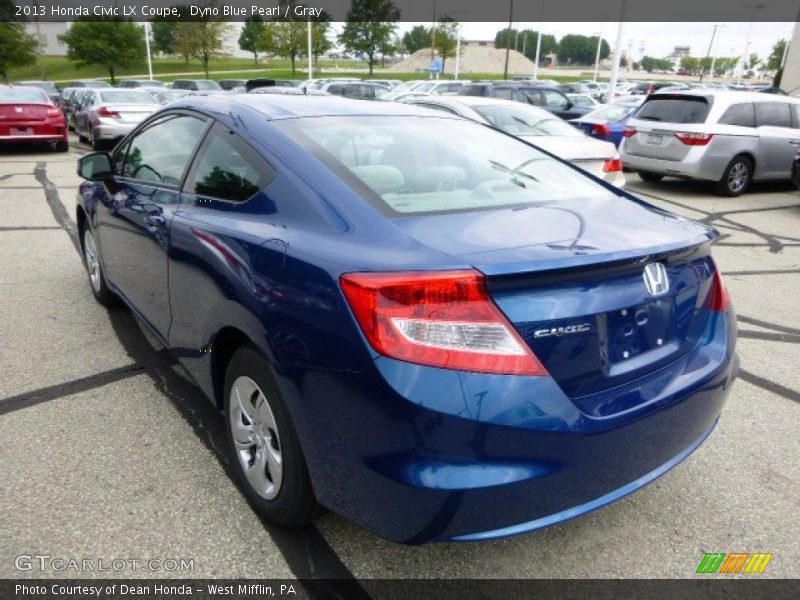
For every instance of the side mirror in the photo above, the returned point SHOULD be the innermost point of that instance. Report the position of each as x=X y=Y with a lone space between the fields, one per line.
x=95 y=167
x=569 y=105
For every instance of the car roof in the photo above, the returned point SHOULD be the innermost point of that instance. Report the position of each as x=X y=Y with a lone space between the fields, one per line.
x=279 y=106
x=472 y=101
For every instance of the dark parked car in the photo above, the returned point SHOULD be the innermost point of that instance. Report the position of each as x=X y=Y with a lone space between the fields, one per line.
x=420 y=322
x=196 y=85
x=359 y=91
x=230 y=84
x=89 y=83
x=606 y=122
x=48 y=87
x=139 y=83
x=796 y=169
x=549 y=98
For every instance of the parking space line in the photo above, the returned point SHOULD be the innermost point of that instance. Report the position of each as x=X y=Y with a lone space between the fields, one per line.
x=767 y=324
x=770 y=386
x=31 y=228
x=67 y=388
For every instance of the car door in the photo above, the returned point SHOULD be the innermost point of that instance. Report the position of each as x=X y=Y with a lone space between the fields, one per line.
x=133 y=219
x=81 y=114
x=778 y=139
x=557 y=103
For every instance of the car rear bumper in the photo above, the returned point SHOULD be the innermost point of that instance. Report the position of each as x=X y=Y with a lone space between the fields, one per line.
x=701 y=162
x=418 y=454
x=113 y=132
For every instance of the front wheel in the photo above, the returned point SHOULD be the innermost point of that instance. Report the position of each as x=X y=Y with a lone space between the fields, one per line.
x=263 y=443
x=736 y=178
x=97 y=280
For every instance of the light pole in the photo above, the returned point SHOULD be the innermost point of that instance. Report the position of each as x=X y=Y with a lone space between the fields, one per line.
x=597 y=55
x=746 y=58
x=147 y=46
x=612 y=84
x=708 y=54
x=508 y=31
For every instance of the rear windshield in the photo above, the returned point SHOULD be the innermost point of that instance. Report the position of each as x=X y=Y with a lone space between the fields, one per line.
x=521 y=119
x=126 y=97
x=207 y=84
x=47 y=86
x=611 y=112
x=472 y=90
x=674 y=109
x=12 y=96
x=421 y=165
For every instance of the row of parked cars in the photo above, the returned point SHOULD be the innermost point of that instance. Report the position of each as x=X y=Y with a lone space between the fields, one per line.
x=730 y=137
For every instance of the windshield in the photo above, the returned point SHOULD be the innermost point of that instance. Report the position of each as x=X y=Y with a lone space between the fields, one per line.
x=121 y=97
x=613 y=112
x=417 y=165
x=519 y=119
x=20 y=96
x=207 y=84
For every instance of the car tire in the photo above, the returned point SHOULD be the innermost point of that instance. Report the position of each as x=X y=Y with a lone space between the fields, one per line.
x=96 y=144
x=650 y=177
x=62 y=146
x=736 y=178
x=81 y=138
x=267 y=457
x=91 y=259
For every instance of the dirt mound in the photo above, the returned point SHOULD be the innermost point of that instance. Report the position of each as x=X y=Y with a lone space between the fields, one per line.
x=474 y=59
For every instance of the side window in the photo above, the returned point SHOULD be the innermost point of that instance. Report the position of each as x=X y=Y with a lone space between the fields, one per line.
x=87 y=100
x=160 y=153
x=553 y=99
x=119 y=158
x=796 y=109
x=743 y=115
x=775 y=114
x=228 y=169
x=504 y=93
x=533 y=97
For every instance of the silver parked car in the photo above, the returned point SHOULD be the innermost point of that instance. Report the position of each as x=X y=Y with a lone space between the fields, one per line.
x=537 y=126
x=108 y=114
x=731 y=138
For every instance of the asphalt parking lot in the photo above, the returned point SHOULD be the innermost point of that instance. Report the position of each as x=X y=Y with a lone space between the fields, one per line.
x=109 y=452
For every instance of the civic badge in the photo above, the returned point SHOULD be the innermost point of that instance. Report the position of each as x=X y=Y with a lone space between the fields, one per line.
x=655 y=279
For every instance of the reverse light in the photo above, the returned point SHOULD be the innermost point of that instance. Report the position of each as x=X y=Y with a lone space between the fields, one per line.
x=612 y=165
x=104 y=112
x=601 y=130
x=441 y=319
x=718 y=299
x=629 y=131
x=694 y=139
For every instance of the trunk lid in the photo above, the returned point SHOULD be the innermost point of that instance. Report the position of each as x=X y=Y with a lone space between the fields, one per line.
x=10 y=113
x=131 y=113
x=570 y=278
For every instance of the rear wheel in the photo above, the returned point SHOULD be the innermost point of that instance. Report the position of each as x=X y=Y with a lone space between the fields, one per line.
x=736 y=178
x=97 y=280
x=651 y=177
x=263 y=444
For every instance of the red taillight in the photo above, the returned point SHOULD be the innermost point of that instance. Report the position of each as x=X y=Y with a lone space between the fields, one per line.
x=718 y=299
x=629 y=131
x=441 y=319
x=694 y=139
x=612 y=165
x=601 y=130
x=53 y=112
x=104 y=112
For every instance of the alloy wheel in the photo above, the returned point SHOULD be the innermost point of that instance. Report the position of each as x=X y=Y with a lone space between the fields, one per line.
x=737 y=177
x=92 y=263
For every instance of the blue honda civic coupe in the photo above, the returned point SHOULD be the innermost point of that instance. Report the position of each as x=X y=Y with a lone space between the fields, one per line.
x=416 y=321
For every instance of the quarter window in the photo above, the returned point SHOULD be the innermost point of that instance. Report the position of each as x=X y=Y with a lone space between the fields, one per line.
x=775 y=114
x=742 y=115
x=228 y=169
x=160 y=153
x=555 y=100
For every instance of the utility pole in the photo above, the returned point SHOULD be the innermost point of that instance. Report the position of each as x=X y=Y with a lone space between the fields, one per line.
x=612 y=85
x=708 y=54
x=746 y=57
x=310 y=59
x=597 y=55
x=508 y=31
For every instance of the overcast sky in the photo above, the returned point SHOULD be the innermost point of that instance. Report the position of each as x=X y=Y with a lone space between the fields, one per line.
x=658 y=39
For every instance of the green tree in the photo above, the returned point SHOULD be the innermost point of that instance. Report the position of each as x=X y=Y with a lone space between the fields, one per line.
x=581 y=49
x=526 y=43
x=776 y=56
x=370 y=23
x=251 y=36
x=417 y=38
x=17 y=47
x=446 y=38
x=320 y=30
x=505 y=38
x=690 y=63
x=286 y=39
x=201 y=40
x=753 y=63
x=163 y=36
x=113 y=43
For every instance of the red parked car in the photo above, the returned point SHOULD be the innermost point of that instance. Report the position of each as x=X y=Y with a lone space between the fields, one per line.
x=27 y=115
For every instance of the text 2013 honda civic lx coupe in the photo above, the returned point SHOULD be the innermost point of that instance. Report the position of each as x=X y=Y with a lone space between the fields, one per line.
x=416 y=321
